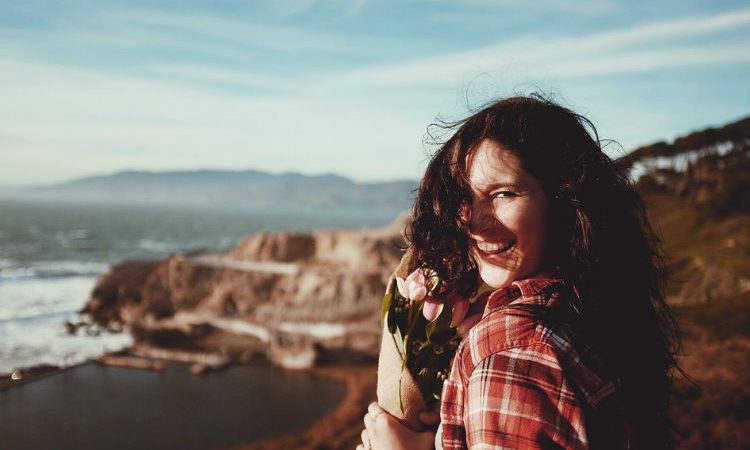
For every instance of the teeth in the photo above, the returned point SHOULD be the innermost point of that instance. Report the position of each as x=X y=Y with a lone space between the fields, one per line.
x=492 y=247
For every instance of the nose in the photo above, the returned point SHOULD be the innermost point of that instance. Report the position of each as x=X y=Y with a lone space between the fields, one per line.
x=482 y=219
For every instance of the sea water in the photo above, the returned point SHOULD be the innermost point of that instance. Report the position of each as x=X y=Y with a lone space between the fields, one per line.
x=93 y=407
x=51 y=255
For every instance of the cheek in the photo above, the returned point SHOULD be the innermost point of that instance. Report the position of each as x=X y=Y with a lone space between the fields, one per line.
x=528 y=222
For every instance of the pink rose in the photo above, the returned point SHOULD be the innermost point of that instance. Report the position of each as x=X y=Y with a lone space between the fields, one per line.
x=432 y=309
x=413 y=287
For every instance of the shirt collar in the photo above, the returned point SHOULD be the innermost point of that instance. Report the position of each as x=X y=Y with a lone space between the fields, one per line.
x=540 y=289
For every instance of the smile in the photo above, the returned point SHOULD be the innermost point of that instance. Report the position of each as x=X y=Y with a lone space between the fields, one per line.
x=494 y=248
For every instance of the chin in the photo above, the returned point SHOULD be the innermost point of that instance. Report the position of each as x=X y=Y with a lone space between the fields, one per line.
x=496 y=277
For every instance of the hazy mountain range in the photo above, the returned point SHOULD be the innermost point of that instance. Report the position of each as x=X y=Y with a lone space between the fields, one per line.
x=253 y=189
x=220 y=188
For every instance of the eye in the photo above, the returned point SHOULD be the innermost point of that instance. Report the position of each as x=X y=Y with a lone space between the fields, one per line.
x=504 y=194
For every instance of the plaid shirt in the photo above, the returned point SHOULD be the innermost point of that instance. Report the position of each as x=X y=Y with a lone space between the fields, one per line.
x=518 y=382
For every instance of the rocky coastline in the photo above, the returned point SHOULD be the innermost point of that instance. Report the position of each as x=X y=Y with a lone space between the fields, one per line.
x=298 y=300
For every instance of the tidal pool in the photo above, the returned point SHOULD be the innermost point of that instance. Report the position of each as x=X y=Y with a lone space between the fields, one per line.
x=93 y=407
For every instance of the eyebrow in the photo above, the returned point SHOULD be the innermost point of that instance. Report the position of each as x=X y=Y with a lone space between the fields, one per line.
x=511 y=185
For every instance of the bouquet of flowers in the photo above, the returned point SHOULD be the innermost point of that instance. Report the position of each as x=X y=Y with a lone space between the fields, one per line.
x=419 y=319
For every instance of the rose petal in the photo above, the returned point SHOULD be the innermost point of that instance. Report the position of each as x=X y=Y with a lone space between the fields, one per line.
x=460 y=308
x=420 y=277
x=418 y=293
x=401 y=285
x=431 y=310
x=416 y=277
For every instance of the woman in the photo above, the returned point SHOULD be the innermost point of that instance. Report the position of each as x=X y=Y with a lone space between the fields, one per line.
x=575 y=347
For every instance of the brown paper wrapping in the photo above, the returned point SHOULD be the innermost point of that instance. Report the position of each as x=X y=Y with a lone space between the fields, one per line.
x=389 y=371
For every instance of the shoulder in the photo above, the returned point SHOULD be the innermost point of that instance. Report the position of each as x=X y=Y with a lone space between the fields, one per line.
x=519 y=348
x=522 y=398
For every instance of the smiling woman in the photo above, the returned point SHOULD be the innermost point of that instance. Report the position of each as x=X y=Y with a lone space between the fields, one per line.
x=506 y=221
x=575 y=345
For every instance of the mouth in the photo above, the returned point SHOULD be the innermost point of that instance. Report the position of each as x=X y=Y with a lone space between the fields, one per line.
x=494 y=248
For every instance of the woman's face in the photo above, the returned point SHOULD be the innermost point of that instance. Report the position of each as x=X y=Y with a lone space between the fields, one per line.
x=507 y=217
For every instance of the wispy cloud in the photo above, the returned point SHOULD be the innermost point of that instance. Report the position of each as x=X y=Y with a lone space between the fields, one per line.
x=639 y=48
x=222 y=51
x=465 y=9
x=116 y=87
x=130 y=39
x=65 y=121
x=219 y=76
x=346 y=8
x=236 y=32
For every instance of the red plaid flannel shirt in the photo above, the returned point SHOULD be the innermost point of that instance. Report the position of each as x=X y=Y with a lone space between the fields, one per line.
x=520 y=383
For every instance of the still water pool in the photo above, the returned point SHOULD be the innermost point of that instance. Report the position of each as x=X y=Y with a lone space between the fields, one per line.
x=93 y=407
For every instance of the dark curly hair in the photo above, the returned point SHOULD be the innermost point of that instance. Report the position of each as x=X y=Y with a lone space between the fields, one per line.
x=601 y=243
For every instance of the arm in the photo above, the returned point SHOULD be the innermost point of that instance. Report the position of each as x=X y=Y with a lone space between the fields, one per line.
x=520 y=399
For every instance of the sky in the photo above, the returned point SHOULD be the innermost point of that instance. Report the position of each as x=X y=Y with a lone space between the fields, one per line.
x=343 y=86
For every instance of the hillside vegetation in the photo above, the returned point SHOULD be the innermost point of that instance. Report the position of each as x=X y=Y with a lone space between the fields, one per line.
x=697 y=191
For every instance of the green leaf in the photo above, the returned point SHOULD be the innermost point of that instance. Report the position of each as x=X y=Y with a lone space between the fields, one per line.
x=386 y=307
x=400 y=399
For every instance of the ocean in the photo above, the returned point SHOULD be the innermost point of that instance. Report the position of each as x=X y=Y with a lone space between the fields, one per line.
x=52 y=253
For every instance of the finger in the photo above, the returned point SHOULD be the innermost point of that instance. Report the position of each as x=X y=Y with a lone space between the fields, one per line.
x=374 y=409
x=467 y=323
x=365 y=439
x=369 y=421
x=429 y=418
x=460 y=308
x=360 y=447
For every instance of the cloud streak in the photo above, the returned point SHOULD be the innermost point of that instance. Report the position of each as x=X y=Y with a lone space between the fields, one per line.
x=639 y=48
x=587 y=7
x=130 y=88
x=66 y=121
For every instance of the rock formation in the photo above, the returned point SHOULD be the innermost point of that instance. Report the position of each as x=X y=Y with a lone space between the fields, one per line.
x=289 y=291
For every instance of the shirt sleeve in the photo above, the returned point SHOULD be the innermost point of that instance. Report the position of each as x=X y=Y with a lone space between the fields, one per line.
x=520 y=399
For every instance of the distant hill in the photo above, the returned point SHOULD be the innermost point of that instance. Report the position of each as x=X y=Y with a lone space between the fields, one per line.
x=660 y=166
x=686 y=147
x=697 y=192
x=245 y=189
x=709 y=169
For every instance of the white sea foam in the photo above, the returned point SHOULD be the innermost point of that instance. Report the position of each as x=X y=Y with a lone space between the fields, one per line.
x=157 y=246
x=45 y=341
x=72 y=235
x=26 y=298
x=10 y=270
x=33 y=312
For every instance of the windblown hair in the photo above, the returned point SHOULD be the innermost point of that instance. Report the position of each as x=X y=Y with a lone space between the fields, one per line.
x=600 y=243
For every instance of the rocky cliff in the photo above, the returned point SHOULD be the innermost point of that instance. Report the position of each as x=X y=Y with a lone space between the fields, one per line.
x=322 y=290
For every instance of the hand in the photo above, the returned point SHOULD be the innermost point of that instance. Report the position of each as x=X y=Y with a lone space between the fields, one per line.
x=384 y=432
x=472 y=316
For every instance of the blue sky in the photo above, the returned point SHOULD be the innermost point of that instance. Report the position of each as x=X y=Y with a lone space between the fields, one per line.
x=343 y=86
